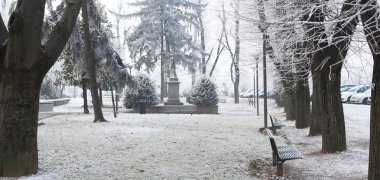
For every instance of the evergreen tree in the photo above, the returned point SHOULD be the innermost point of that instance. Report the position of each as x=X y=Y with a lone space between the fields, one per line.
x=163 y=35
x=204 y=93
x=143 y=91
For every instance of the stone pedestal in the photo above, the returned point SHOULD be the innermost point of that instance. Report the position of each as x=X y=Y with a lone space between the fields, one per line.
x=173 y=92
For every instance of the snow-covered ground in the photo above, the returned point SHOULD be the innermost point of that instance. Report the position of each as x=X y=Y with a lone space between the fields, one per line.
x=161 y=146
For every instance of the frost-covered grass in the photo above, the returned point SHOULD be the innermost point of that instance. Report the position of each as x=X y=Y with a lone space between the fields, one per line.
x=161 y=146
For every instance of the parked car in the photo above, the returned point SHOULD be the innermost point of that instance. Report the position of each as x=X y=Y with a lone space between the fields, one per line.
x=269 y=93
x=361 y=98
x=247 y=91
x=248 y=94
x=344 y=88
x=356 y=89
x=369 y=100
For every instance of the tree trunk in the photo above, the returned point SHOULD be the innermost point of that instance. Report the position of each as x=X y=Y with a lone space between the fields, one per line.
x=302 y=104
x=290 y=103
x=370 y=21
x=113 y=100
x=23 y=64
x=101 y=96
x=237 y=52
x=316 y=29
x=18 y=118
x=333 y=125
x=91 y=65
x=203 y=45
x=117 y=97
x=163 y=84
x=61 y=92
x=374 y=144
x=316 y=110
x=85 y=104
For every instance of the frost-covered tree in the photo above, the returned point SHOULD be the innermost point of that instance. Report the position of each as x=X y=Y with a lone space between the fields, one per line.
x=99 y=50
x=329 y=28
x=204 y=93
x=370 y=18
x=48 y=88
x=24 y=61
x=87 y=6
x=143 y=91
x=162 y=35
x=232 y=44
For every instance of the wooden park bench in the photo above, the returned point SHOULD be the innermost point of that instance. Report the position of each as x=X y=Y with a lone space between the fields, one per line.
x=276 y=124
x=281 y=154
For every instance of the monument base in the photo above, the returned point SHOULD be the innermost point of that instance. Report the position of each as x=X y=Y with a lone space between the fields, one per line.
x=173 y=92
x=173 y=103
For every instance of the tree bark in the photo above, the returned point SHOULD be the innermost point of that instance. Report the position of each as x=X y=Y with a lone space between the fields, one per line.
x=302 y=103
x=316 y=110
x=117 y=91
x=316 y=31
x=18 y=118
x=333 y=125
x=290 y=103
x=203 y=44
x=101 y=96
x=162 y=73
x=85 y=104
x=370 y=20
x=237 y=52
x=374 y=145
x=23 y=65
x=113 y=99
x=91 y=65
x=302 y=97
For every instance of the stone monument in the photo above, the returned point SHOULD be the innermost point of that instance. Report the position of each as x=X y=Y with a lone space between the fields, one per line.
x=173 y=92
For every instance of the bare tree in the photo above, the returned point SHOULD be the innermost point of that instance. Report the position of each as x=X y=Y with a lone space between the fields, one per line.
x=234 y=53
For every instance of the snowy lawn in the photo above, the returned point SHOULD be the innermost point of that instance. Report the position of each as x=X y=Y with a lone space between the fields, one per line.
x=161 y=146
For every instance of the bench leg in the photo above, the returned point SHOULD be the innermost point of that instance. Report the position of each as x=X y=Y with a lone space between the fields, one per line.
x=280 y=169
x=274 y=157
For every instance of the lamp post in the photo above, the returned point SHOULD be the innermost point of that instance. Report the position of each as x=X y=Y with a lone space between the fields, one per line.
x=257 y=87
x=263 y=28
x=254 y=86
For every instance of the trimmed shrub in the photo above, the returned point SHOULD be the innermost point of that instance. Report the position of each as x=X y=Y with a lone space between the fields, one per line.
x=144 y=91
x=204 y=93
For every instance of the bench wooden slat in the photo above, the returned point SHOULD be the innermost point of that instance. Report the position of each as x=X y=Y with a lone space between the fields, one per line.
x=288 y=153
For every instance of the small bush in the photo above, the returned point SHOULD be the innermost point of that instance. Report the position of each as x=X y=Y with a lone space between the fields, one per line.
x=144 y=91
x=204 y=93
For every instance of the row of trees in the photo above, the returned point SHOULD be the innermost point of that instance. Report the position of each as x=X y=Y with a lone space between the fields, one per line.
x=314 y=36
